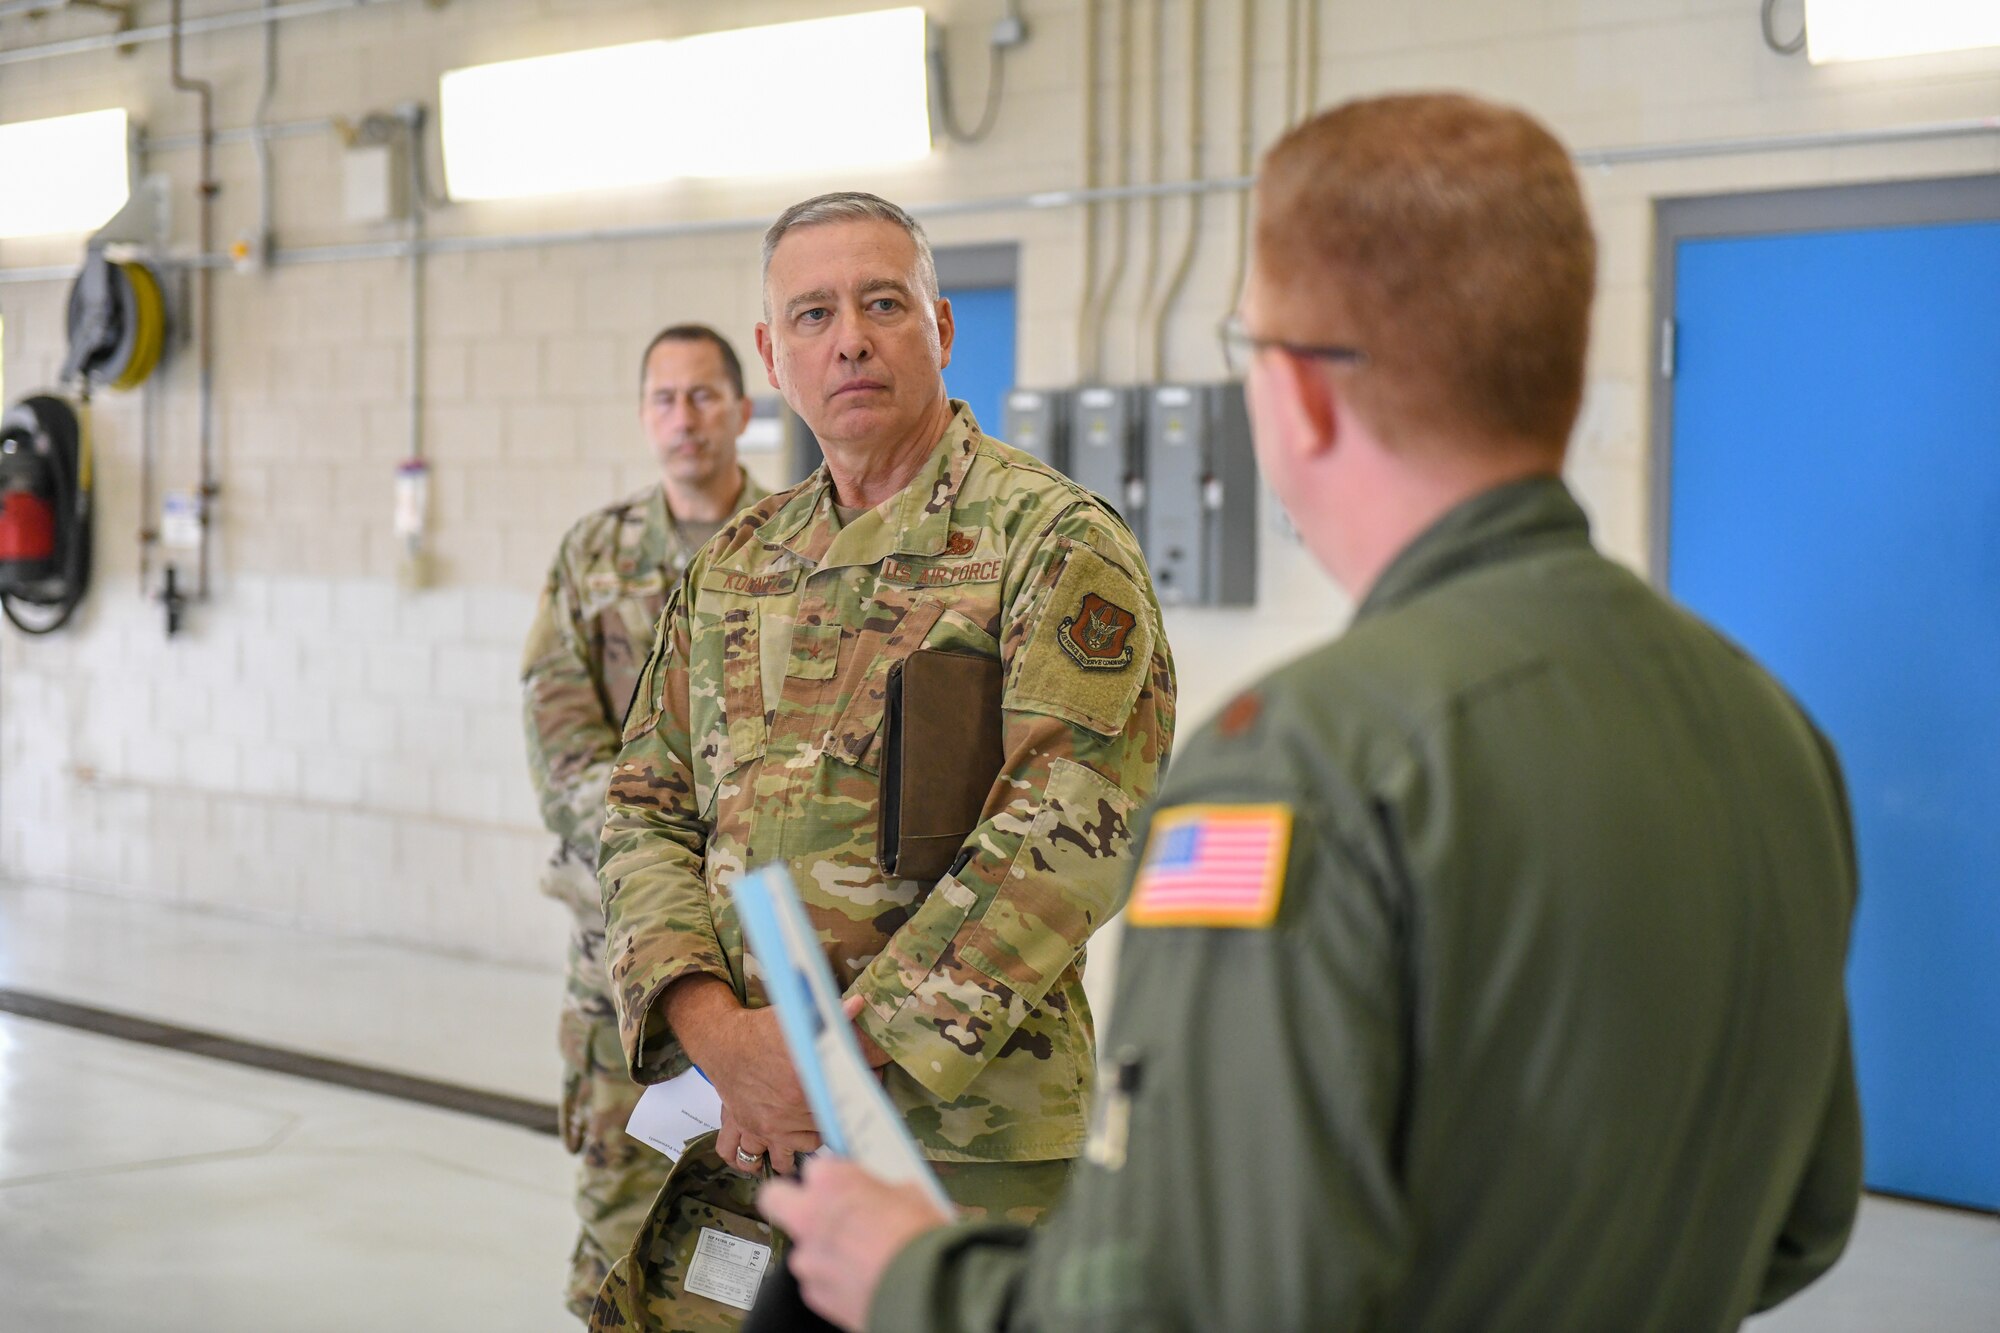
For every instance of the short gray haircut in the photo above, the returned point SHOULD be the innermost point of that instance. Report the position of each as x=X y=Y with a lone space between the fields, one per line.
x=853 y=206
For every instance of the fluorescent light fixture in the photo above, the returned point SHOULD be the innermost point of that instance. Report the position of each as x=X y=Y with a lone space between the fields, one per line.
x=824 y=95
x=66 y=174
x=1875 y=29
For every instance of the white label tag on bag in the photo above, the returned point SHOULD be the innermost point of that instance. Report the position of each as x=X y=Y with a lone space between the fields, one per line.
x=727 y=1268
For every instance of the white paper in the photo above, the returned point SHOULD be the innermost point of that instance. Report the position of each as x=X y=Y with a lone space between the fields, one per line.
x=727 y=1268
x=673 y=1114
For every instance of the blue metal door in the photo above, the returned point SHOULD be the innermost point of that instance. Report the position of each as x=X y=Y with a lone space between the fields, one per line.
x=1835 y=507
x=982 y=351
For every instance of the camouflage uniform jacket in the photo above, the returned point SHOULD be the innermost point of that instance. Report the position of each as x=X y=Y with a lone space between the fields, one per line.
x=755 y=738
x=591 y=635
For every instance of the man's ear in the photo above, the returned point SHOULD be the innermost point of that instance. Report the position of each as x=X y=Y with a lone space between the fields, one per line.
x=746 y=409
x=766 y=350
x=1315 y=404
x=945 y=332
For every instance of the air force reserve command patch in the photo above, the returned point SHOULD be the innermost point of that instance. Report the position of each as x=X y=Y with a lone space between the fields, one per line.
x=1213 y=865
x=1095 y=635
x=1091 y=649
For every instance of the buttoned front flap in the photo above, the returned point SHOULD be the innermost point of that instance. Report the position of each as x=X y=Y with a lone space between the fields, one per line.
x=726 y=686
x=623 y=617
x=888 y=627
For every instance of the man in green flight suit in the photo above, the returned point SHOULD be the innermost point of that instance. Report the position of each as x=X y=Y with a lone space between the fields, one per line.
x=757 y=736
x=1486 y=963
x=592 y=632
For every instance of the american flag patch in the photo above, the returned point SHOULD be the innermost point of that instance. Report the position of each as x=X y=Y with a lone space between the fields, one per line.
x=1213 y=865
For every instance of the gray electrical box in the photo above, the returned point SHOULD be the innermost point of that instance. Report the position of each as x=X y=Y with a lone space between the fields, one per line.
x=1103 y=450
x=1035 y=419
x=797 y=445
x=1201 y=495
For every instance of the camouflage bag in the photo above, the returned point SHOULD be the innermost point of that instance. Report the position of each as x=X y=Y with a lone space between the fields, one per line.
x=699 y=1257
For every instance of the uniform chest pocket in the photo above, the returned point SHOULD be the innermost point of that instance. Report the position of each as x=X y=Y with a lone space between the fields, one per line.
x=815 y=652
x=729 y=727
x=892 y=625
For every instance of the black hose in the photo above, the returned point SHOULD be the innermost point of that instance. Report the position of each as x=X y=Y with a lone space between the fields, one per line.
x=990 y=112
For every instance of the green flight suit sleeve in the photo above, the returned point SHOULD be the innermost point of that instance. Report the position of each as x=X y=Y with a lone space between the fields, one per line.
x=1821 y=1219
x=571 y=744
x=1829 y=1195
x=1087 y=715
x=1271 y=1087
x=658 y=927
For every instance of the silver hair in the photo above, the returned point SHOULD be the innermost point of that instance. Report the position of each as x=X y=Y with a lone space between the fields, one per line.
x=853 y=206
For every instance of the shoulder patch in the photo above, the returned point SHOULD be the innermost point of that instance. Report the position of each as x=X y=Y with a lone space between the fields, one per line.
x=1090 y=649
x=1218 y=866
x=1240 y=715
x=1095 y=636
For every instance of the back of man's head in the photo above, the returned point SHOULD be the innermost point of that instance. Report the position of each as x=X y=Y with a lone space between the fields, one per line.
x=1446 y=237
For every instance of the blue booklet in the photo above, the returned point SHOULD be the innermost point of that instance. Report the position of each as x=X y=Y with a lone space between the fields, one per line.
x=855 y=1117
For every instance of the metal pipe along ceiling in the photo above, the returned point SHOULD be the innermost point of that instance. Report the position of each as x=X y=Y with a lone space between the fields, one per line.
x=1043 y=199
x=237 y=18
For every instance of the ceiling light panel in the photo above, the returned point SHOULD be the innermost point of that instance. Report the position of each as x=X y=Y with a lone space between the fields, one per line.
x=67 y=174
x=1839 y=30
x=818 y=96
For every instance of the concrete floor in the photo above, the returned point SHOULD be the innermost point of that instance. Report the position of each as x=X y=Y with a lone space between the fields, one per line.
x=154 y=1191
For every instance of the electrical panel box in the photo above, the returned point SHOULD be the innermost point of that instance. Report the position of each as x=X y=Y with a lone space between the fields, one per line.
x=1201 y=495
x=1103 y=450
x=798 y=445
x=374 y=180
x=1035 y=420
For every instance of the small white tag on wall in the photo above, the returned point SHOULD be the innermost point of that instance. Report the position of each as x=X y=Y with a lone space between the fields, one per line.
x=180 y=521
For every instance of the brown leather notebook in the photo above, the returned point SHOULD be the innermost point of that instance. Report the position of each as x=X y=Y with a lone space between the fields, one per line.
x=941 y=752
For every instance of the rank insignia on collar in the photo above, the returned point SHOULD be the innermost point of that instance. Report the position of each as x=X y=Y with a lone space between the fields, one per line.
x=1095 y=636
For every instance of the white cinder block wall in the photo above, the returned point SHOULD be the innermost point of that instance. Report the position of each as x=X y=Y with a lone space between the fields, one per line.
x=323 y=747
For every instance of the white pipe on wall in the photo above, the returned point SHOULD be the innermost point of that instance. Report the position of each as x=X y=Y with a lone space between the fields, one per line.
x=1100 y=301
x=1156 y=133
x=239 y=18
x=1088 y=261
x=1246 y=143
x=1177 y=279
x=1038 y=200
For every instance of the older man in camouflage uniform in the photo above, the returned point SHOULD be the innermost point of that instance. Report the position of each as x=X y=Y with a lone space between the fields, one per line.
x=1487 y=962
x=756 y=736
x=594 y=629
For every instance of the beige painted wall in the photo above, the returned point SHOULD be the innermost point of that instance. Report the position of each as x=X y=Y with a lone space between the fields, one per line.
x=323 y=747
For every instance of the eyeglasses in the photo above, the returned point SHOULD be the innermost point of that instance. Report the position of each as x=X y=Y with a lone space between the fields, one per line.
x=1239 y=345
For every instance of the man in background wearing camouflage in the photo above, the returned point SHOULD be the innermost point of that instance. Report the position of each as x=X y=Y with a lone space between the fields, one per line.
x=595 y=626
x=756 y=736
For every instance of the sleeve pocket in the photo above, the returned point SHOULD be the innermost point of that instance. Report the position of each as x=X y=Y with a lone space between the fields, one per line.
x=1065 y=879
